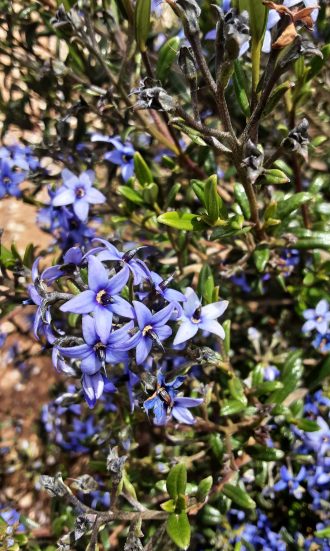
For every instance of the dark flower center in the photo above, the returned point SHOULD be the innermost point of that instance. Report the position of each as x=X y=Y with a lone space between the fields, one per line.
x=80 y=192
x=99 y=349
x=196 y=317
x=146 y=330
x=103 y=297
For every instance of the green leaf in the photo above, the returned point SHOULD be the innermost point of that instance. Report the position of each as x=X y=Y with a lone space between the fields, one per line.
x=204 y=488
x=166 y=57
x=205 y=285
x=276 y=96
x=324 y=533
x=236 y=389
x=131 y=195
x=226 y=343
x=178 y=528
x=291 y=376
x=177 y=480
x=257 y=17
x=261 y=257
x=150 y=193
x=239 y=88
x=262 y=453
x=194 y=135
x=268 y=386
x=242 y=200
x=217 y=446
x=168 y=506
x=231 y=407
x=238 y=496
x=181 y=220
x=142 y=171
x=306 y=424
x=274 y=176
x=316 y=377
x=172 y=195
x=213 y=201
x=317 y=63
x=198 y=187
x=313 y=240
x=28 y=255
x=285 y=207
x=142 y=23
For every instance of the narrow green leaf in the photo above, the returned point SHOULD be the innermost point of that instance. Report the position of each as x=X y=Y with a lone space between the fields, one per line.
x=168 y=506
x=142 y=171
x=131 y=195
x=212 y=198
x=231 y=407
x=142 y=23
x=274 y=176
x=242 y=200
x=236 y=389
x=28 y=255
x=238 y=496
x=181 y=221
x=178 y=528
x=198 y=187
x=317 y=63
x=166 y=57
x=262 y=453
x=306 y=425
x=172 y=195
x=204 y=488
x=205 y=285
x=226 y=343
x=291 y=376
x=239 y=88
x=276 y=96
x=261 y=257
x=177 y=481
x=285 y=207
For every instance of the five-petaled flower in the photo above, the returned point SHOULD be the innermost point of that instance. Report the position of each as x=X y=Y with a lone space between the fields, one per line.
x=122 y=155
x=79 y=192
x=318 y=318
x=291 y=482
x=152 y=328
x=195 y=316
x=165 y=403
x=102 y=298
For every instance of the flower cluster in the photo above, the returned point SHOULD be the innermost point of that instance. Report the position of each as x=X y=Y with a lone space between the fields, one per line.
x=318 y=319
x=16 y=162
x=128 y=314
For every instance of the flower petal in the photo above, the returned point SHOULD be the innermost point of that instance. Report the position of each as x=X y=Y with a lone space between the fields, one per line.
x=215 y=310
x=186 y=331
x=84 y=303
x=97 y=274
x=213 y=326
x=81 y=208
x=143 y=314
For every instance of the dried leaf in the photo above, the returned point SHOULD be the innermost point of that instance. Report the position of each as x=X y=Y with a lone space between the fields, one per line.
x=287 y=36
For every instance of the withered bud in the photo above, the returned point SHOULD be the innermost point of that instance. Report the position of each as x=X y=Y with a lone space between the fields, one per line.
x=253 y=161
x=297 y=140
x=115 y=465
x=236 y=33
x=189 y=13
x=54 y=485
x=153 y=97
x=186 y=61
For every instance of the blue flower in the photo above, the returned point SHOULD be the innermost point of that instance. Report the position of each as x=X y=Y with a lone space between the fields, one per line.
x=122 y=155
x=72 y=258
x=9 y=179
x=196 y=317
x=317 y=318
x=318 y=441
x=322 y=342
x=36 y=298
x=291 y=482
x=242 y=282
x=271 y=373
x=159 y=287
x=99 y=348
x=126 y=260
x=152 y=328
x=78 y=192
x=101 y=298
x=165 y=403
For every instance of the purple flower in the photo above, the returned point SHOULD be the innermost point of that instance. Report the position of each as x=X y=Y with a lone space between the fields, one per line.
x=72 y=258
x=271 y=373
x=317 y=318
x=318 y=441
x=165 y=403
x=101 y=297
x=322 y=342
x=78 y=192
x=122 y=155
x=291 y=482
x=160 y=288
x=242 y=282
x=9 y=179
x=40 y=316
x=99 y=349
x=152 y=328
x=94 y=386
x=196 y=317
x=126 y=260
